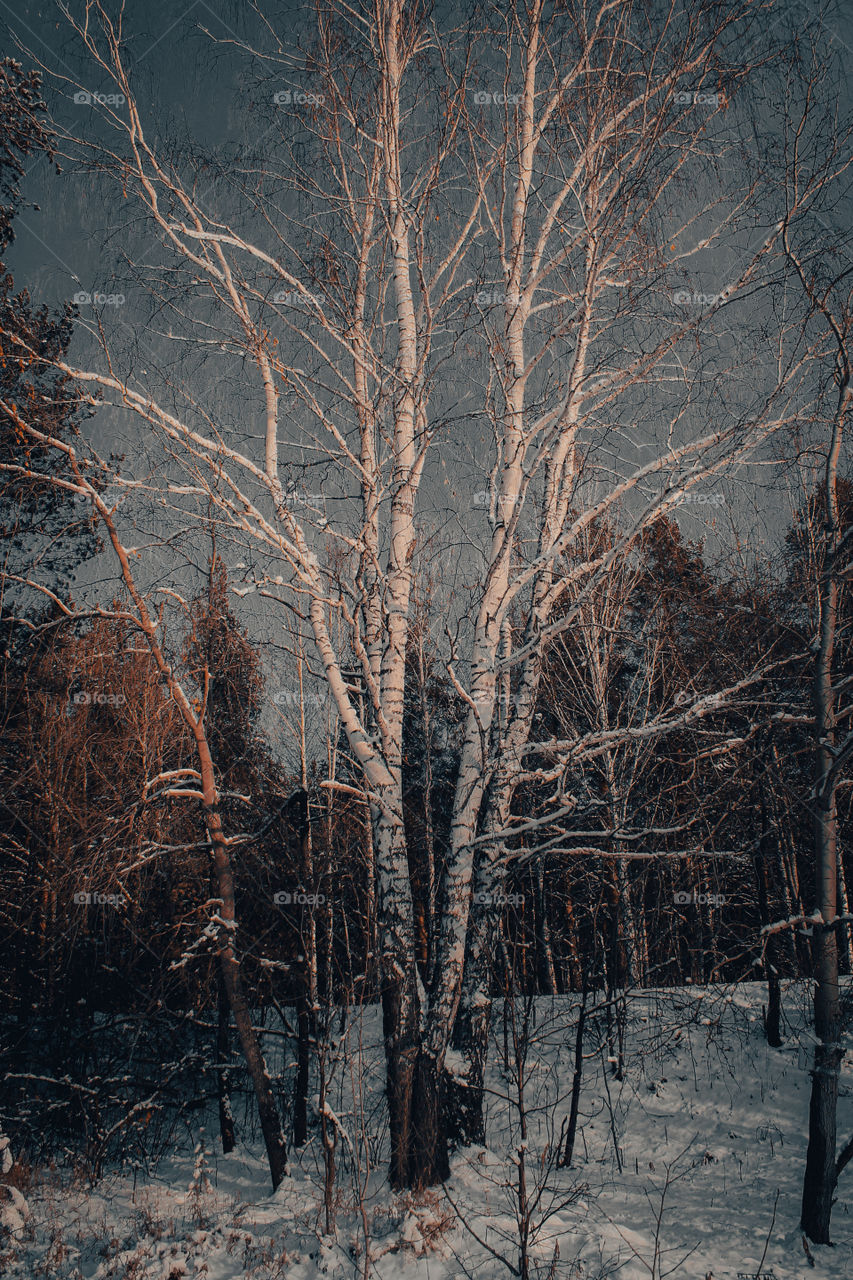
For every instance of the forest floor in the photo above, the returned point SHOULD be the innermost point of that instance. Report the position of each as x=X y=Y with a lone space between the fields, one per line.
x=690 y=1166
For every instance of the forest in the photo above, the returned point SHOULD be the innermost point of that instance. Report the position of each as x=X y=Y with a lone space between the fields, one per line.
x=426 y=678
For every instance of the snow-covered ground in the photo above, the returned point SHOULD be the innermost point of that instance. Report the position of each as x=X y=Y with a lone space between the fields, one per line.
x=688 y=1167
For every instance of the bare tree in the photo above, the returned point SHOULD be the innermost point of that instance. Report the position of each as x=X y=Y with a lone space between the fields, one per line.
x=561 y=198
x=576 y=202
x=199 y=783
x=833 y=304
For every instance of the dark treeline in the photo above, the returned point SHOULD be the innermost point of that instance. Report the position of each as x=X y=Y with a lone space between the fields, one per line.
x=114 y=1022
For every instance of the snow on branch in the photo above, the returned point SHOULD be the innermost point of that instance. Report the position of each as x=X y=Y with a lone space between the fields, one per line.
x=209 y=934
x=816 y=919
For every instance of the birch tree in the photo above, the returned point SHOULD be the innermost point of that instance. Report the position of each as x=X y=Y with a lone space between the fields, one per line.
x=587 y=178
x=510 y=228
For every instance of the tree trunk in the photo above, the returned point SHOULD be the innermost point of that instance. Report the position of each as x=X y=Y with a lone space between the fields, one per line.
x=303 y=1063
x=418 y=1144
x=577 y=1078
x=844 y=906
x=466 y=1124
x=401 y=1051
x=820 y=1176
x=544 y=955
x=306 y=996
x=429 y=1157
x=470 y=1038
x=231 y=976
x=575 y=966
x=226 y=1114
x=415 y=1087
x=628 y=926
x=773 y=1016
x=789 y=875
x=267 y=1111
x=371 y=963
x=773 y=1019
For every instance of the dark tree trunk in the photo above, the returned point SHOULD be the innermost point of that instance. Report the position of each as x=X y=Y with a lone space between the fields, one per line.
x=544 y=954
x=784 y=826
x=298 y=813
x=303 y=1063
x=772 y=958
x=223 y=1047
x=415 y=1086
x=576 y=970
x=401 y=1001
x=267 y=1111
x=429 y=1161
x=773 y=1017
x=401 y=1051
x=577 y=1078
x=231 y=977
x=821 y=1174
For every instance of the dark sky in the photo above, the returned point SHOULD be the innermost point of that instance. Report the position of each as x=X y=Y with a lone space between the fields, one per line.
x=203 y=95
x=199 y=87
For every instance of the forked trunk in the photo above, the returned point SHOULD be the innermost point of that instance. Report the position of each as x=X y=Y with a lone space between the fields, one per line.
x=401 y=1050
x=415 y=1090
x=429 y=1163
x=413 y=1080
